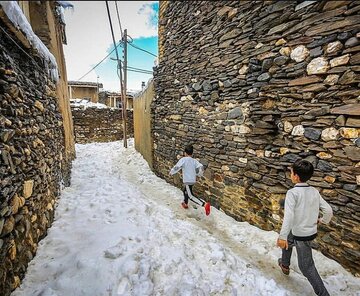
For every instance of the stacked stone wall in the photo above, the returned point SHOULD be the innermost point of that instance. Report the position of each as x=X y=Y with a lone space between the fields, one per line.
x=255 y=85
x=32 y=164
x=100 y=125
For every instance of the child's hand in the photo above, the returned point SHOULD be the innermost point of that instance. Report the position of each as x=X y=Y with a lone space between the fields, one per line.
x=282 y=243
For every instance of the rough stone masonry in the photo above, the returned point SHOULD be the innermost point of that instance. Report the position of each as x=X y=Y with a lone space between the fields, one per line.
x=32 y=166
x=255 y=85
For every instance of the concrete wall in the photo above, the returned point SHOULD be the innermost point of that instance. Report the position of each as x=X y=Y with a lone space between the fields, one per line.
x=255 y=85
x=142 y=123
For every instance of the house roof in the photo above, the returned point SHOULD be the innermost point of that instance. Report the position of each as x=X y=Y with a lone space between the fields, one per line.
x=85 y=84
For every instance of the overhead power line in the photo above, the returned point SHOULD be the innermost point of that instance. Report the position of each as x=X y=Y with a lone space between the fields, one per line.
x=118 y=16
x=93 y=68
x=144 y=50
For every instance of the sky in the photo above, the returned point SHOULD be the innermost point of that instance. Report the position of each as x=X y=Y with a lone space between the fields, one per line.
x=120 y=230
x=89 y=40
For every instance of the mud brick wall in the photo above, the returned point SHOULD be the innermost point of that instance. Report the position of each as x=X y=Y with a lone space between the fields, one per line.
x=100 y=125
x=32 y=162
x=255 y=85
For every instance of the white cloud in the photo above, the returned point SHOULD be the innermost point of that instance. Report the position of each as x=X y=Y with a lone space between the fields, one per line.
x=89 y=36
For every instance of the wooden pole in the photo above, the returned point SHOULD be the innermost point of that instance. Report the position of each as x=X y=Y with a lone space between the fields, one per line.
x=125 y=85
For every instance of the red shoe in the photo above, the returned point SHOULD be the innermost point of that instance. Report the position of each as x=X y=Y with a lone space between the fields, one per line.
x=207 y=208
x=184 y=205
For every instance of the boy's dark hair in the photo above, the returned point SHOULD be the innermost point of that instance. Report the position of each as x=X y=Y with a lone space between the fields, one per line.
x=189 y=149
x=303 y=169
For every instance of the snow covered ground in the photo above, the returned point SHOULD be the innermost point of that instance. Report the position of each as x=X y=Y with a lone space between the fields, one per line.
x=120 y=230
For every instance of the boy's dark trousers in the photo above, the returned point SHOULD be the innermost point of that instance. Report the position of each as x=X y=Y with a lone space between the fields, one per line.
x=186 y=195
x=306 y=263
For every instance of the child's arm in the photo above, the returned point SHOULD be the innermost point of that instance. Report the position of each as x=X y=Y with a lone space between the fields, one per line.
x=326 y=211
x=288 y=220
x=199 y=169
x=177 y=167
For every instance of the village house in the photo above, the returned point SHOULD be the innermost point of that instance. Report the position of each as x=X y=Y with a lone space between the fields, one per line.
x=113 y=99
x=84 y=90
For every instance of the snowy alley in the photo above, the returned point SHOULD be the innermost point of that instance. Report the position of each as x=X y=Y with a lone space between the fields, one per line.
x=120 y=230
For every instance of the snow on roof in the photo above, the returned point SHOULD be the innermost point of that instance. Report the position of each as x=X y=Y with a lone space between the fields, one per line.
x=62 y=6
x=85 y=84
x=18 y=19
x=84 y=104
x=65 y=4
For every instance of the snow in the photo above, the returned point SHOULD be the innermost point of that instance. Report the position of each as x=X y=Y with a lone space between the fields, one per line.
x=84 y=104
x=120 y=230
x=65 y=4
x=61 y=8
x=17 y=17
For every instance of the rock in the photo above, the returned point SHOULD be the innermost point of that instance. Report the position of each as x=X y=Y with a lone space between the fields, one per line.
x=323 y=155
x=28 y=188
x=358 y=180
x=206 y=85
x=334 y=47
x=285 y=51
x=329 y=134
x=231 y=35
x=243 y=70
x=324 y=166
x=316 y=52
x=39 y=105
x=8 y=226
x=298 y=130
x=349 y=133
x=196 y=86
x=283 y=150
x=340 y=120
x=6 y=135
x=317 y=66
x=329 y=179
x=299 y=54
x=266 y=64
x=281 y=41
x=305 y=80
x=288 y=127
x=354 y=122
x=339 y=61
x=331 y=79
x=353 y=152
x=236 y=113
x=281 y=60
x=350 y=187
x=264 y=77
x=349 y=77
x=312 y=133
x=353 y=41
x=318 y=111
x=350 y=109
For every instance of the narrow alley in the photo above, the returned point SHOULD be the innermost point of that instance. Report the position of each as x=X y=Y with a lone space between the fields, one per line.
x=120 y=230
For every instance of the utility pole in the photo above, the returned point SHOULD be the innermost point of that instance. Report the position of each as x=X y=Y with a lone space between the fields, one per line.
x=124 y=88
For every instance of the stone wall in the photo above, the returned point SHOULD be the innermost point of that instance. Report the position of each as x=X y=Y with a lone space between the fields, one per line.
x=255 y=85
x=32 y=150
x=142 y=123
x=100 y=125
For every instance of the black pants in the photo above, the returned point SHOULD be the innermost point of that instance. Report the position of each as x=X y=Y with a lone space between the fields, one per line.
x=186 y=194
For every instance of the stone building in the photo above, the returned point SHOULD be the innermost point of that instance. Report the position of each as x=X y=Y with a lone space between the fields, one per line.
x=36 y=131
x=84 y=90
x=255 y=85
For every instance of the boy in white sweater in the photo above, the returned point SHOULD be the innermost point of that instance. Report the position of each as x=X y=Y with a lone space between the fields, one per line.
x=190 y=169
x=299 y=228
